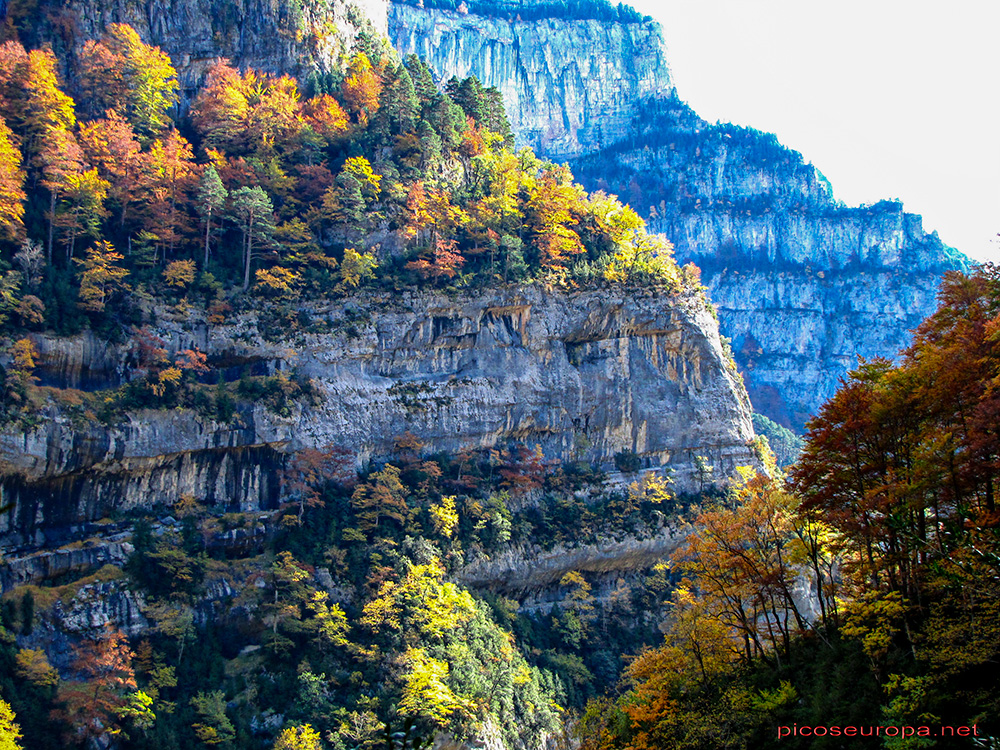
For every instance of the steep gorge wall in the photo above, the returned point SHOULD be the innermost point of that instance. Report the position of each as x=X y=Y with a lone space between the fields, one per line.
x=569 y=86
x=583 y=375
x=803 y=284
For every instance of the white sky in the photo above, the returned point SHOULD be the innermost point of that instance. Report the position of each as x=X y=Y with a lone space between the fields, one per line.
x=888 y=98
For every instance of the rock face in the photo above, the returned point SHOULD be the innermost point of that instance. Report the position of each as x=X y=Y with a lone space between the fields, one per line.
x=569 y=85
x=582 y=375
x=276 y=36
x=803 y=284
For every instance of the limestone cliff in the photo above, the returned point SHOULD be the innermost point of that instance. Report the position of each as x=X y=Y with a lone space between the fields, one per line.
x=583 y=375
x=569 y=85
x=804 y=285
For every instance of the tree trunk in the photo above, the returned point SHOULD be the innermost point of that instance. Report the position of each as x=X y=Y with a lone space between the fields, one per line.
x=208 y=229
x=246 y=260
x=52 y=219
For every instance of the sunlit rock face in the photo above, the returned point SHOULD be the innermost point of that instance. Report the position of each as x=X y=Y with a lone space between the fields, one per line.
x=569 y=85
x=581 y=375
x=804 y=285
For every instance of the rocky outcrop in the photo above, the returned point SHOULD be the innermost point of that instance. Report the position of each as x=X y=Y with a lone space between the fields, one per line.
x=279 y=36
x=569 y=85
x=583 y=375
x=50 y=565
x=804 y=285
x=522 y=570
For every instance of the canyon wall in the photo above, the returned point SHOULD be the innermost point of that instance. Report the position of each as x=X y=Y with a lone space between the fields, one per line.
x=582 y=375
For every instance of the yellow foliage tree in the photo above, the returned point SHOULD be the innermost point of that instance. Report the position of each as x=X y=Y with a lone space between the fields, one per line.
x=426 y=693
x=355 y=268
x=299 y=738
x=179 y=273
x=10 y=732
x=33 y=666
x=101 y=277
x=276 y=282
x=361 y=88
x=444 y=516
x=423 y=606
x=12 y=195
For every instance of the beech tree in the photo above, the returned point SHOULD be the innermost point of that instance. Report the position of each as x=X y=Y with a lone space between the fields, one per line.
x=170 y=178
x=122 y=72
x=110 y=694
x=101 y=276
x=383 y=496
x=82 y=207
x=302 y=737
x=12 y=195
x=361 y=88
x=10 y=732
x=110 y=144
x=553 y=206
x=221 y=109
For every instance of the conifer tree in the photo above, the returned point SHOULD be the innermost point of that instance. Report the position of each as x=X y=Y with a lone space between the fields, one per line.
x=254 y=214
x=212 y=196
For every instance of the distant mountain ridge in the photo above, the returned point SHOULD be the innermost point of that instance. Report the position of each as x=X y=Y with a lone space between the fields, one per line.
x=804 y=285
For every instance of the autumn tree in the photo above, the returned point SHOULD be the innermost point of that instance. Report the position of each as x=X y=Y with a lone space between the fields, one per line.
x=426 y=693
x=111 y=145
x=179 y=274
x=325 y=116
x=221 y=109
x=274 y=115
x=355 y=269
x=421 y=606
x=302 y=737
x=33 y=101
x=61 y=161
x=383 y=496
x=12 y=195
x=361 y=88
x=101 y=277
x=10 y=732
x=33 y=665
x=444 y=516
x=553 y=206
x=122 y=72
x=109 y=695
x=81 y=209
x=445 y=263
x=745 y=561
x=170 y=178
